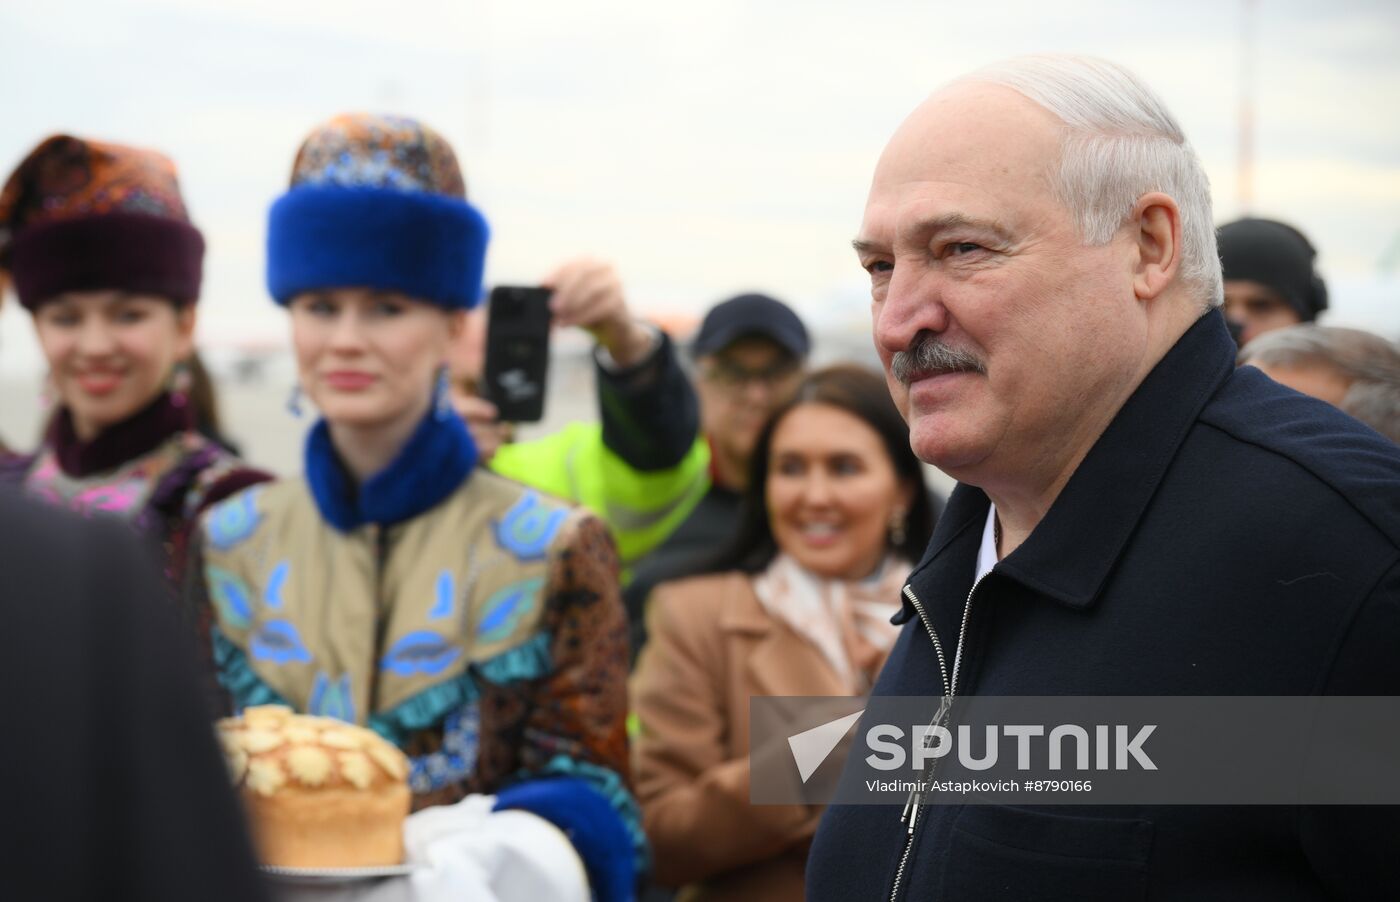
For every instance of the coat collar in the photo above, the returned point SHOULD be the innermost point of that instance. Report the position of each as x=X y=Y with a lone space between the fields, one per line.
x=1070 y=553
x=137 y=435
x=781 y=662
x=741 y=612
x=437 y=458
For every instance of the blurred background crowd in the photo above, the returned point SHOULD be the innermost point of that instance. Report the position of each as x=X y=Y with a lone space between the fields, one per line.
x=719 y=460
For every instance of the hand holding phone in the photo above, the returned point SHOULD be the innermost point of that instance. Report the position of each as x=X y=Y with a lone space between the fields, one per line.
x=588 y=294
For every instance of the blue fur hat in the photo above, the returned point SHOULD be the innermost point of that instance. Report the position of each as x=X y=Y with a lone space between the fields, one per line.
x=377 y=202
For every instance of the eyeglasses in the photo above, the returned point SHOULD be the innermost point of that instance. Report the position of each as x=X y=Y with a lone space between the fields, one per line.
x=730 y=376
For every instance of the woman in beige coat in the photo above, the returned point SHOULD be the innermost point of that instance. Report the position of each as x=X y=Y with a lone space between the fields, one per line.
x=799 y=604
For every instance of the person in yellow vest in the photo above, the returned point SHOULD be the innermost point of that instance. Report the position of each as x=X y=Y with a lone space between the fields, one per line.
x=468 y=619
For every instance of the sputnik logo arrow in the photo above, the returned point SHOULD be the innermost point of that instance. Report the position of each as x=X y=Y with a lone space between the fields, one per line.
x=811 y=747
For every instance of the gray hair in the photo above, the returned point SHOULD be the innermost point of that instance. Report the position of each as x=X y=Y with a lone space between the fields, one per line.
x=1355 y=354
x=1120 y=143
x=1369 y=362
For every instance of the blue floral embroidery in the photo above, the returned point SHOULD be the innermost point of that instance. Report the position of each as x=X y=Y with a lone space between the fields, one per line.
x=272 y=595
x=527 y=528
x=377 y=170
x=332 y=698
x=422 y=651
x=231 y=596
x=446 y=596
x=455 y=761
x=503 y=610
x=279 y=642
x=234 y=520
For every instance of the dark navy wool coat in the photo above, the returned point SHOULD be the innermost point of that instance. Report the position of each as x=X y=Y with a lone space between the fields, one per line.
x=1225 y=536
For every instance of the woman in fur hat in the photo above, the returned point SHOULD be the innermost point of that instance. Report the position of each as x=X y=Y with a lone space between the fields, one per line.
x=98 y=246
x=473 y=622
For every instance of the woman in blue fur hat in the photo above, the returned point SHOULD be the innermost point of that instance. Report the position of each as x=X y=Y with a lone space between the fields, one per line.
x=468 y=619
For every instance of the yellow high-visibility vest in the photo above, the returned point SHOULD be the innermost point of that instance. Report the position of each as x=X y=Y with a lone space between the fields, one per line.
x=641 y=507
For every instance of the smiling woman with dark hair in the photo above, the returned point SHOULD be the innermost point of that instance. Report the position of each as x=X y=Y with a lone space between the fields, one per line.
x=798 y=603
x=98 y=245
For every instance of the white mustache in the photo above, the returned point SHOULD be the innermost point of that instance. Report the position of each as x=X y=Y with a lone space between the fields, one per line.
x=930 y=357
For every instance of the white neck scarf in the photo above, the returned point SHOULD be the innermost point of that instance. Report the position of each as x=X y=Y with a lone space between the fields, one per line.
x=848 y=621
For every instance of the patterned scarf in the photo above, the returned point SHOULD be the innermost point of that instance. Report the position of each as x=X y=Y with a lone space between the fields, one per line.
x=848 y=621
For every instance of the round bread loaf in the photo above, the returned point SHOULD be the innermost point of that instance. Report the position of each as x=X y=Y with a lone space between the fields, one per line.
x=319 y=792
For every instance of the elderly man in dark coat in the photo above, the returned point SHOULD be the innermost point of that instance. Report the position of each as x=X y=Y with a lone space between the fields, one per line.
x=1134 y=516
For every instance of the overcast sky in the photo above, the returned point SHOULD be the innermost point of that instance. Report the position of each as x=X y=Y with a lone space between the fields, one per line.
x=708 y=147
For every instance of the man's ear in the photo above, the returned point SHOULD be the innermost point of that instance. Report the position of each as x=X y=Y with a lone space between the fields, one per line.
x=1156 y=221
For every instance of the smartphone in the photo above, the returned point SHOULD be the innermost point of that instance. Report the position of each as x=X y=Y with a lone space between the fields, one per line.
x=517 y=352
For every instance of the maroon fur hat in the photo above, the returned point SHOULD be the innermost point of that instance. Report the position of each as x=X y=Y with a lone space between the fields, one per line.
x=80 y=215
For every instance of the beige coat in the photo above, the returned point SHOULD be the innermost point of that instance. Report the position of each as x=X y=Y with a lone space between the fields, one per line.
x=711 y=645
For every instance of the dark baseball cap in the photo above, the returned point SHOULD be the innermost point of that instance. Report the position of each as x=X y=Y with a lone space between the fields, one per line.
x=752 y=315
x=1276 y=255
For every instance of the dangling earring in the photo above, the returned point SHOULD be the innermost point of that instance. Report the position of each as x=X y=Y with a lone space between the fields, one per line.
x=294 y=400
x=180 y=382
x=442 y=395
x=897 y=534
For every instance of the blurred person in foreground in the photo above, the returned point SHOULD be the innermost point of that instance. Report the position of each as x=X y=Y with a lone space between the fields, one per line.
x=1134 y=514
x=639 y=467
x=799 y=603
x=100 y=249
x=750 y=352
x=113 y=785
x=1354 y=371
x=1270 y=278
x=398 y=585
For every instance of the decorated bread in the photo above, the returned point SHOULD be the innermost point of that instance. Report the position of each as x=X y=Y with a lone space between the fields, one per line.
x=320 y=793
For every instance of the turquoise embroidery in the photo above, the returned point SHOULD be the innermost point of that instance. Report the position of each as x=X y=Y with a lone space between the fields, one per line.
x=529 y=527
x=332 y=698
x=279 y=642
x=528 y=661
x=424 y=709
x=236 y=675
x=272 y=595
x=420 y=652
x=231 y=596
x=446 y=596
x=234 y=520
x=502 y=611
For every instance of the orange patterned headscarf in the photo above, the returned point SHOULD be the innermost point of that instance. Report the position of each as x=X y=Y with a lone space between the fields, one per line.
x=371 y=150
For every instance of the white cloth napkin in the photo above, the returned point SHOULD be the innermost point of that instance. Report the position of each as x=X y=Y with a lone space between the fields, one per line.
x=467 y=853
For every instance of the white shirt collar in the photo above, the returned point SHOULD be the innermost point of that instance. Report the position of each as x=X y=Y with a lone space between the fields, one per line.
x=987 y=554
